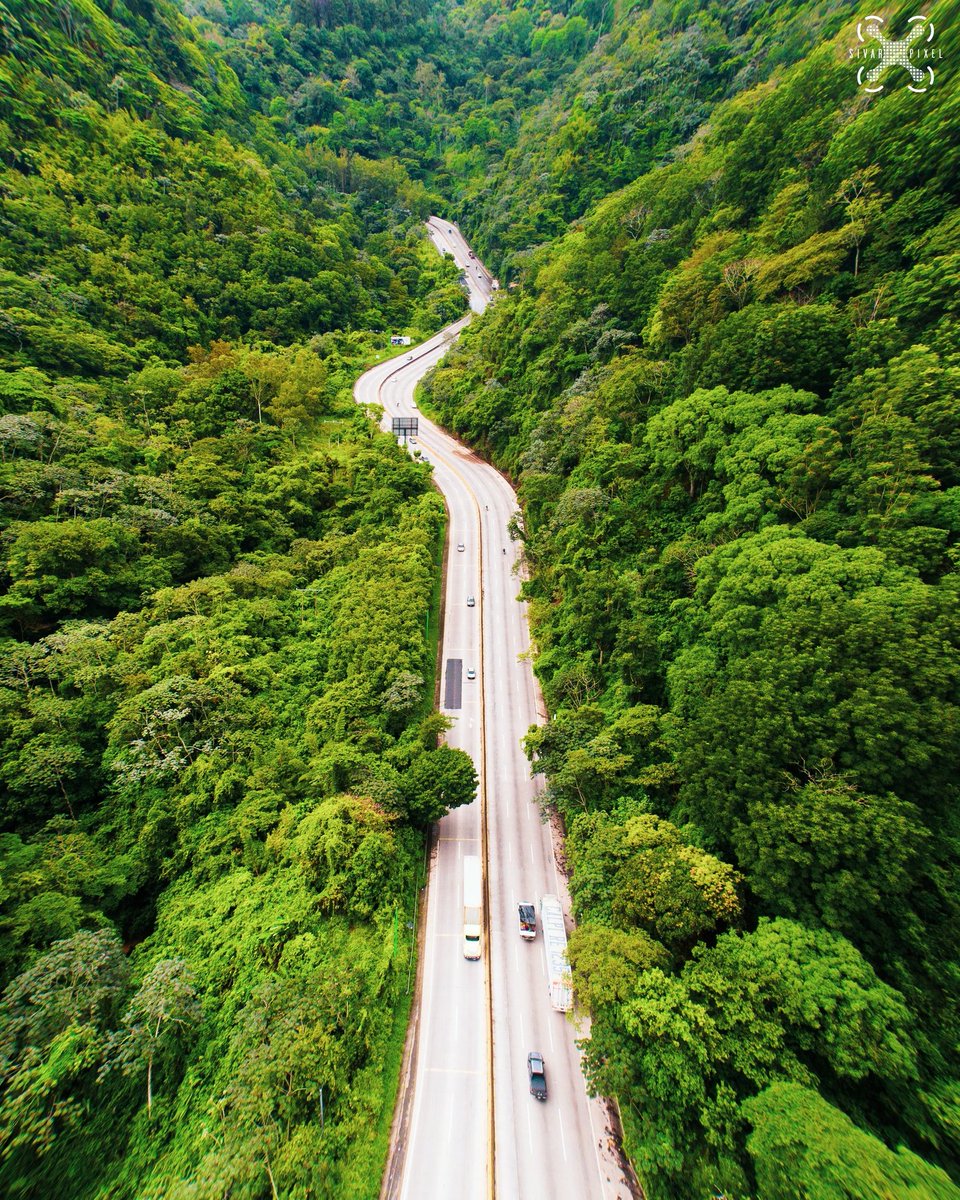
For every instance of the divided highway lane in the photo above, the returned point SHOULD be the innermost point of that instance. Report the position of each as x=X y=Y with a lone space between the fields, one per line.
x=449 y=240
x=558 y=1149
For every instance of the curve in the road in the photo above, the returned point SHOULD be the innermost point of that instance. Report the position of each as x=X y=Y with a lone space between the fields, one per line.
x=482 y=775
x=469 y=1043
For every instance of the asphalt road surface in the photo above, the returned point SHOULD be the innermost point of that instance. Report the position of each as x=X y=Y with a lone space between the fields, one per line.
x=470 y=1128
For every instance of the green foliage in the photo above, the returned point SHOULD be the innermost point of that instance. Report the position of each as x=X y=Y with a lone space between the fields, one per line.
x=650 y=76
x=149 y=208
x=606 y=962
x=158 y=1020
x=230 y=767
x=782 y=1002
x=804 y=1147
x=217 y=581
x=55 y=1023
x=641 y=874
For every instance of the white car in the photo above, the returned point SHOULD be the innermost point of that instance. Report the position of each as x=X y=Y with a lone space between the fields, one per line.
x=460 y=547
x=471 y=673
x=527 y=914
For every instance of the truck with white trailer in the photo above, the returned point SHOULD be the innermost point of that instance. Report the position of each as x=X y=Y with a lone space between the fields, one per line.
x=472 y=905
x=559 y=982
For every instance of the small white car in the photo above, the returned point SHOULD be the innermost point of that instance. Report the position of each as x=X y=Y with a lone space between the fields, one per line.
x=471 y=673
x=460 y=547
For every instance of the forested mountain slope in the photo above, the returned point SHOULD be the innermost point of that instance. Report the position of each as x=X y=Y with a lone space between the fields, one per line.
x=147 y=207
x=645 y=77
x=218 y=758
x=729 y=395
x=516 y=115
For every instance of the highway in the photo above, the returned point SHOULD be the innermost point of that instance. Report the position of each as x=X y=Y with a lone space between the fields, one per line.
x=468 y=1126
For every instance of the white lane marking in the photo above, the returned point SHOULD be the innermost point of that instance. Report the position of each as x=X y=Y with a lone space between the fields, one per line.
x=533 y=861
x=563 y=1140
x=550 y=1032
x=523 y=1036
x=516 y=957
x=530 y=1131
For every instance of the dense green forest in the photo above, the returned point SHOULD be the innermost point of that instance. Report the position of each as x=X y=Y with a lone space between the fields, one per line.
x=218 y=753
x=726 y=385
x=728 y=394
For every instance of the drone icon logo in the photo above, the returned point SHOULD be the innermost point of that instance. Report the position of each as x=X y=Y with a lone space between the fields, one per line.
x=887 y=53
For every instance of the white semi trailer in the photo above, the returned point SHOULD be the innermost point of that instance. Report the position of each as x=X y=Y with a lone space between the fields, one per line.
x=472 y=905
x=555 y=949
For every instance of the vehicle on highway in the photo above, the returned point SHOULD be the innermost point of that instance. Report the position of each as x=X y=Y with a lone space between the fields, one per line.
x=558 y=968
x=537 y=1072
x=460 y=547
x=413 y=404
x=528 y=921
x=472 y=255
x=472 y=905
x=413 y=441
x=471 y=602
x=471 y=673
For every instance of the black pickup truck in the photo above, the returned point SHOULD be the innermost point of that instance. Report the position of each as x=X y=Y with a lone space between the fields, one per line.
x=538 y=1075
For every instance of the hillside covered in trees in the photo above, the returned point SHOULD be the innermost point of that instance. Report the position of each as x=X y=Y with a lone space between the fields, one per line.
x=729 y=396
x=218 y=754
x=726 y=385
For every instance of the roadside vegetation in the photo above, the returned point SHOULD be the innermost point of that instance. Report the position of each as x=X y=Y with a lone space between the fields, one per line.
x=218 y=760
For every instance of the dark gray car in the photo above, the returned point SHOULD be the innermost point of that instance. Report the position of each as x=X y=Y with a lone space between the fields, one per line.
x=538 y=1075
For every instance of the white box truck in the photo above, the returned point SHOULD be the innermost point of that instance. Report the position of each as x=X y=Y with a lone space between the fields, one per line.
x=555 y=949
x=472 y=905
